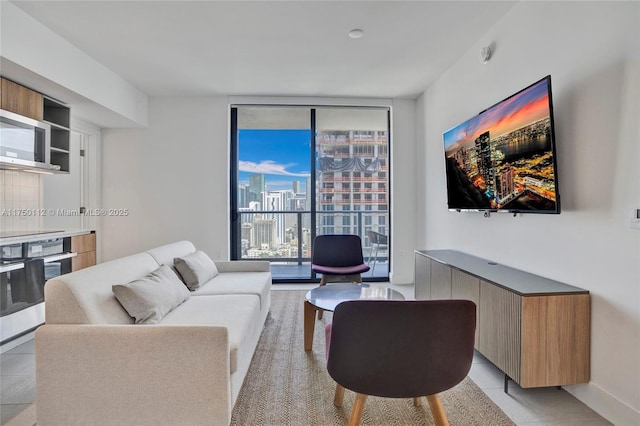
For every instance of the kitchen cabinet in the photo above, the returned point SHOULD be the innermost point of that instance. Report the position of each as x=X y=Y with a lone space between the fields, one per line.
x=536 y=330
x=85 y=247
x=20 y=100
x=26 y=102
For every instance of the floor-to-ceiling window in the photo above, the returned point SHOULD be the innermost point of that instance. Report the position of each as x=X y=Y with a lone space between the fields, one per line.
x=298 y=172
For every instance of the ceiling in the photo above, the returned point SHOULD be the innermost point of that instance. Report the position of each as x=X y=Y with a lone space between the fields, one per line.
x=272 y=48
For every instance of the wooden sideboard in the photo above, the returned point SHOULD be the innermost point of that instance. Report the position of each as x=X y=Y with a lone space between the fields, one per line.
x=536 y=330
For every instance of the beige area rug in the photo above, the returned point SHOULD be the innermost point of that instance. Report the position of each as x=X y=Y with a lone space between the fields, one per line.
x=287 y=386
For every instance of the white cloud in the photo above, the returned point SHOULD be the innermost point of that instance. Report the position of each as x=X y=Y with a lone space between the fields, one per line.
x=268 y=167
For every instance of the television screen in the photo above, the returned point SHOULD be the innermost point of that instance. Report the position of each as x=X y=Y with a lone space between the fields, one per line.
x=504 y=158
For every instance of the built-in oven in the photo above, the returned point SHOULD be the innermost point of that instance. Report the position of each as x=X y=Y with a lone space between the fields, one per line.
x=24 y=268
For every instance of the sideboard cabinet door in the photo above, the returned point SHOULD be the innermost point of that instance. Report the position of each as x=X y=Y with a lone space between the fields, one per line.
x=440 y=280
x=500 y=336
x=467 y=287
x=555 y=340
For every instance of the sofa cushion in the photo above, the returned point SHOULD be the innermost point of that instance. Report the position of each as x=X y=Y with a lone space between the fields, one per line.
x=150 y=298
x=239 y=313
x=195 y=269
x=86 y=296
x=165 y=254
x=258 y=283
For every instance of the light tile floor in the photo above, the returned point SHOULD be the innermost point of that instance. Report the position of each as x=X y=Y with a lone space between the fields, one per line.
x=542 y=406
x=18 y=385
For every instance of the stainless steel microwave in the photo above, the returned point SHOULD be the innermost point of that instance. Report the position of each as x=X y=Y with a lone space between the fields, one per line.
x=24 y=143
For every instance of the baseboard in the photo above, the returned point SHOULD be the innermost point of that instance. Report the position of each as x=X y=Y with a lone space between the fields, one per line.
x=17 y=342
x=605 y=404
x=400 y=279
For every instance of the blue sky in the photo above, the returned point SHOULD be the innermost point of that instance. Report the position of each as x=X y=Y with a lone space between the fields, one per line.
x=281 y=155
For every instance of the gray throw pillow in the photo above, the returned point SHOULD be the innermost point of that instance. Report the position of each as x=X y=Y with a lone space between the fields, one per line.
x=150 y=298
x=195 y=269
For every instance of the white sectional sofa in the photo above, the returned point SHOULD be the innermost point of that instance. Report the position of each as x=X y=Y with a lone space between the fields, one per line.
x=95 y=366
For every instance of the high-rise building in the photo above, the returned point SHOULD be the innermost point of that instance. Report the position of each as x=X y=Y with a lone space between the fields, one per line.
x=279 y=201
x=485 y=164
x=243 y=192
x=263 y=233
x=352 y=176
x=296 y=187
x=256 y=187
x=245 y=236
x=505 y=182
x=306 y=218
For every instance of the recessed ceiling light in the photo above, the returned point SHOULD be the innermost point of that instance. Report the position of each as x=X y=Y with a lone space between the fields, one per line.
x=356 y=33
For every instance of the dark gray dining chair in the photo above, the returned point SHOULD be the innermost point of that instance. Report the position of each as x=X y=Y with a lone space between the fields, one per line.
x=338 y=257
x=400 y=349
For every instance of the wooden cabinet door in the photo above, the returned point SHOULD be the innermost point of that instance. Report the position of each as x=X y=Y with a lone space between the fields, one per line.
x=83 y=243
x=422 y=278
x=83 y=260
x=555 y=340
x=440 y=281
x=467 y=287
x=20 y=100
x=85 y=246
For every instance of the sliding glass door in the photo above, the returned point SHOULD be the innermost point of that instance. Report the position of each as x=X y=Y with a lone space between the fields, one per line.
x=352 y=179
x=298 y=172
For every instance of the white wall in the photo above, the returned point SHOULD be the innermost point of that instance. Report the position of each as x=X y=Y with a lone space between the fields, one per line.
x=403 y=190
x=31 y=54
x=174 y=178
x=591 y=50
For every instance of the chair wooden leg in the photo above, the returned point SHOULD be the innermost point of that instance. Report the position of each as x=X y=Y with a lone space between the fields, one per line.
x=416 y=401
x=439 y=415
x=309 y=325
x=358 y=407
x=339 y=396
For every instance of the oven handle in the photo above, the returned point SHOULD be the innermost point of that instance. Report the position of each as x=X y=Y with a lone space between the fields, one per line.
x=48 y=259
x=11 y=267
x=57 y=257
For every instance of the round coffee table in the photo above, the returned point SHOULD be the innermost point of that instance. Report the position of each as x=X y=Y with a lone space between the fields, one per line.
x=327 y=297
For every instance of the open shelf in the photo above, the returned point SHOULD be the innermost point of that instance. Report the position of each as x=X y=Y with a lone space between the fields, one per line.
x=55 y=113
x=58 y=117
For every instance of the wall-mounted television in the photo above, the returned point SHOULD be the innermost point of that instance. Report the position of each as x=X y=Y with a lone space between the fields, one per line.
x=504 y=159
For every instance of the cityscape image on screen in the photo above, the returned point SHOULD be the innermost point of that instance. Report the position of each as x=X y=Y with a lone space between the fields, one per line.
x=503 y=159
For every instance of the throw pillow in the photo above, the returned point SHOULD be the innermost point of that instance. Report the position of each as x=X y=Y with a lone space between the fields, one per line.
x=149 y=299
x=195 y=269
